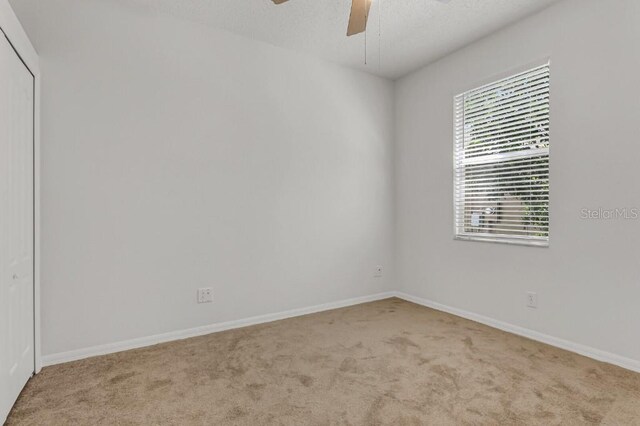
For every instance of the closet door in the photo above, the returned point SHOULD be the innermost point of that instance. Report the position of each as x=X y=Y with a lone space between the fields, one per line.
x=16 y=226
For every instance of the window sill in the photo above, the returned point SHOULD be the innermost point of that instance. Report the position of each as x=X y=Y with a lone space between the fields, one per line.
x=504 y=240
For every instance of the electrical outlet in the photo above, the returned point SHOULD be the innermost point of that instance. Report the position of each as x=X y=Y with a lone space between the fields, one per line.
x=379 y=271
x=205 y=295
x=532 y=299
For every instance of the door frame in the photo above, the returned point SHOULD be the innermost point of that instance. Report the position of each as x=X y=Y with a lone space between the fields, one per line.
x=11 y=28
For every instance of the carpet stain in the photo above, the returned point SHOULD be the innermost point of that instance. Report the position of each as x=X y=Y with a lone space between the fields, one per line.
x=235 y=413
x=468 y=342
x=121 y=377
x=402 y=343
x=306 y=381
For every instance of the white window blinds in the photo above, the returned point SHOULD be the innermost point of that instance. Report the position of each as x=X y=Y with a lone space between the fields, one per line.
x=501 y=160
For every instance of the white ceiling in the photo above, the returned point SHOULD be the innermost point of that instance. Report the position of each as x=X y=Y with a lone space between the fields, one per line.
x=402 y=35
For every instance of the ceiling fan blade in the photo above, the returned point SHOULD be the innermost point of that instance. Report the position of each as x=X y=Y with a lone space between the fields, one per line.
x=279 y=1
x=358 y=17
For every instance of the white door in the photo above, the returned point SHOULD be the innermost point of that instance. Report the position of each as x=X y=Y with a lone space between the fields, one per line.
x=16 y=226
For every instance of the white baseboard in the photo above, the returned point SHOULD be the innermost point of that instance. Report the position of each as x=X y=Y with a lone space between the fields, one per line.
x=597 y=354
x=109 y=348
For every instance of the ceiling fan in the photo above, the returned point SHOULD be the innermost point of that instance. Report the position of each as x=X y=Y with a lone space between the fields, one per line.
x=357 y=19
x=359 y=15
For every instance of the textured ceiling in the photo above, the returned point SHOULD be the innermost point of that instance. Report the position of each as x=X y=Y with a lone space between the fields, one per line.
x=402 y=34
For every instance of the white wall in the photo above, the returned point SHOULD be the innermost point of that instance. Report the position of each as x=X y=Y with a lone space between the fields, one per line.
x=588 y=281
x=176 y=156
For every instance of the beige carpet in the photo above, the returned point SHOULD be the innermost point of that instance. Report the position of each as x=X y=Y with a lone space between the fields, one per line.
x=387 y=362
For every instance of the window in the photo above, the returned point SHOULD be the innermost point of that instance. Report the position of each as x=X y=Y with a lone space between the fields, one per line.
x=501 y=160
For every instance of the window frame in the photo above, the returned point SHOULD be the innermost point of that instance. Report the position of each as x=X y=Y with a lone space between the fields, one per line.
x=522 y=240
